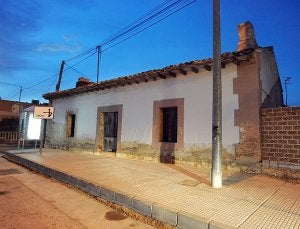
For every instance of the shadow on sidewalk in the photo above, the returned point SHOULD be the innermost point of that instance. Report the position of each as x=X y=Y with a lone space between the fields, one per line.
x=236 y=178
x=188 y=173
x=229 y=180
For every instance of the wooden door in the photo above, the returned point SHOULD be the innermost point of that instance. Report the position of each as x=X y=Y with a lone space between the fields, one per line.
x=110 y=131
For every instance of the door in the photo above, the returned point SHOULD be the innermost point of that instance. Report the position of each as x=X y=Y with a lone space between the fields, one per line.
x=110 y=131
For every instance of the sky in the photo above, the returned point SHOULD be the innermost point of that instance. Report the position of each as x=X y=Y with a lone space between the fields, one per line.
x=36 y=35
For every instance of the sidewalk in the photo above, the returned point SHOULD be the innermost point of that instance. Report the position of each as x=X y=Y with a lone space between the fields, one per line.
x=178 y=195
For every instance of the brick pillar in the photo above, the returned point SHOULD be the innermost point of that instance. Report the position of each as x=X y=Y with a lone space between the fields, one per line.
x=247 y=86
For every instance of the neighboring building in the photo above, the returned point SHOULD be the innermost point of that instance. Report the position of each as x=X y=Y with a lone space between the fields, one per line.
x=10 y=114
x=165 y=114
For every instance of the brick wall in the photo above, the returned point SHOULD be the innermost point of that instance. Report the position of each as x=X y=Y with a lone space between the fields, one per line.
x=280 y=137
x=246 y=117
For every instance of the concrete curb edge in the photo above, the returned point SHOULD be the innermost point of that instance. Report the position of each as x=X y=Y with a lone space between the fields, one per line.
x=179 y=219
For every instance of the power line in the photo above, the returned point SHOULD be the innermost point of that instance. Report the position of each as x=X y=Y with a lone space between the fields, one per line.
x=154 y=16
x=100 y=44
x=53 y=82
x=41 y=82
x=149 y=25
x=10 y=84
x=74 y=69
x=169 y=8
x=138 y=24
x=81 y=60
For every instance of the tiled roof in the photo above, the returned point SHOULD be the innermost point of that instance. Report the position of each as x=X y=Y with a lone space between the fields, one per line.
x=158 y=74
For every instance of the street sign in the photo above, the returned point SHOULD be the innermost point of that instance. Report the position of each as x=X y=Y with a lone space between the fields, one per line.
x=43 y=112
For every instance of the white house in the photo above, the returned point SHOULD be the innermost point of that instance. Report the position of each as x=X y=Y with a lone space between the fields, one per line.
x=165 y=114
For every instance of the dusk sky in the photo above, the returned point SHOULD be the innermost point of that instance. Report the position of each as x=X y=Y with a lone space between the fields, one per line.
x=36 y=35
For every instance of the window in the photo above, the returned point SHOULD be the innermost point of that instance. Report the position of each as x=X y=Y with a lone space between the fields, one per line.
x=71 y=119
x=169 y=124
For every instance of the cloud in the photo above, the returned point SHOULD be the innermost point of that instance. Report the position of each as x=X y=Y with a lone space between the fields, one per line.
x=19 y=19
x=70 y=46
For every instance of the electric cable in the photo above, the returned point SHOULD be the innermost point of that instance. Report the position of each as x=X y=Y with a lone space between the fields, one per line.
x=75 y=69
x=149 y=26
x=154 y=16
x=151 y=15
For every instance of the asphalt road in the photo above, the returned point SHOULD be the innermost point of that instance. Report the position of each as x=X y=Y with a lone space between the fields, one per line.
x=29 y=200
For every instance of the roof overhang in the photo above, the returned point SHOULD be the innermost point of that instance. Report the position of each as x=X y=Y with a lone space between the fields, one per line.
x=168 y=72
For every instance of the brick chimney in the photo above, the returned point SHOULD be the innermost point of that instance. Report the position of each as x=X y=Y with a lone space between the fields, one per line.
x=247 y=36
x=82 y=81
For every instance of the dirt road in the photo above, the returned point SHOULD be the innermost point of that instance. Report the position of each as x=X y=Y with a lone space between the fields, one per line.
x=29 y=200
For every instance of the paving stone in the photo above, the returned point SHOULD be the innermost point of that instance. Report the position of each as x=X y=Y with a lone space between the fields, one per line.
x=248 y=202
x=218 y=225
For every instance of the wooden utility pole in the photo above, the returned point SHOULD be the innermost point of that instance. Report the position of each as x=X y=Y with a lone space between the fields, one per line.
x=98 y=63
x=216 y=170
x=60 y=75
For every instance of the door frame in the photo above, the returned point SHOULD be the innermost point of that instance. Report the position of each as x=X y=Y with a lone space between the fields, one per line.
x=100 y=125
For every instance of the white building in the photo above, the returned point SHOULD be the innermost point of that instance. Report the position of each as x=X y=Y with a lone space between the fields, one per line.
x=165 y=114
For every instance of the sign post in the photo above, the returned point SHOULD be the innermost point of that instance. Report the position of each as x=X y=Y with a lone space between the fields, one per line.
x=43 y=113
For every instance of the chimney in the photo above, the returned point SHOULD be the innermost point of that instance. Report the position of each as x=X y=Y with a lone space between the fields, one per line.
x=82 y=82
x=247 y=36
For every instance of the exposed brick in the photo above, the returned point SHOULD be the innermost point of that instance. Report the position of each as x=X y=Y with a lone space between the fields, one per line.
x=289 y=155
x=297 y=127
x=271 y=127
x=292 y=160
x=277 y=137
x=293 y=142
x=283 y=159
x=276 y=127
x=282 y=150
x=278 y=118
x=288 y=128
x=273 y=150
x=282 y=141
x=288 y=137
x=280 y=134
x=292 y=122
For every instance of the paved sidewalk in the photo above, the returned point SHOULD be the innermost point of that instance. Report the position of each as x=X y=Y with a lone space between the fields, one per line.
x=178 y=195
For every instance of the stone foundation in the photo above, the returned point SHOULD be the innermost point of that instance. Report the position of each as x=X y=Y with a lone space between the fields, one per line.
x=197 y=157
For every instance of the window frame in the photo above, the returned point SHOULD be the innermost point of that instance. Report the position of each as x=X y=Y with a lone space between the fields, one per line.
x=157 y=129
x=71 y=124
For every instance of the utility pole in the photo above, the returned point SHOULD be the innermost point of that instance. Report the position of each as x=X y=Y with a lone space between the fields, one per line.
x=20 y=118
x=286 y=81
x=20 y=93
x=216 y=170
x=60 y=75
x=98 y=63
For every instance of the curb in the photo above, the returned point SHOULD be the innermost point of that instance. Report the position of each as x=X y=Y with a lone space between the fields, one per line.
x=176 y=218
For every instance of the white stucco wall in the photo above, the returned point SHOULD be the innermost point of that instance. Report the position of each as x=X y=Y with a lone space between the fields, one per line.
x=137 y=100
